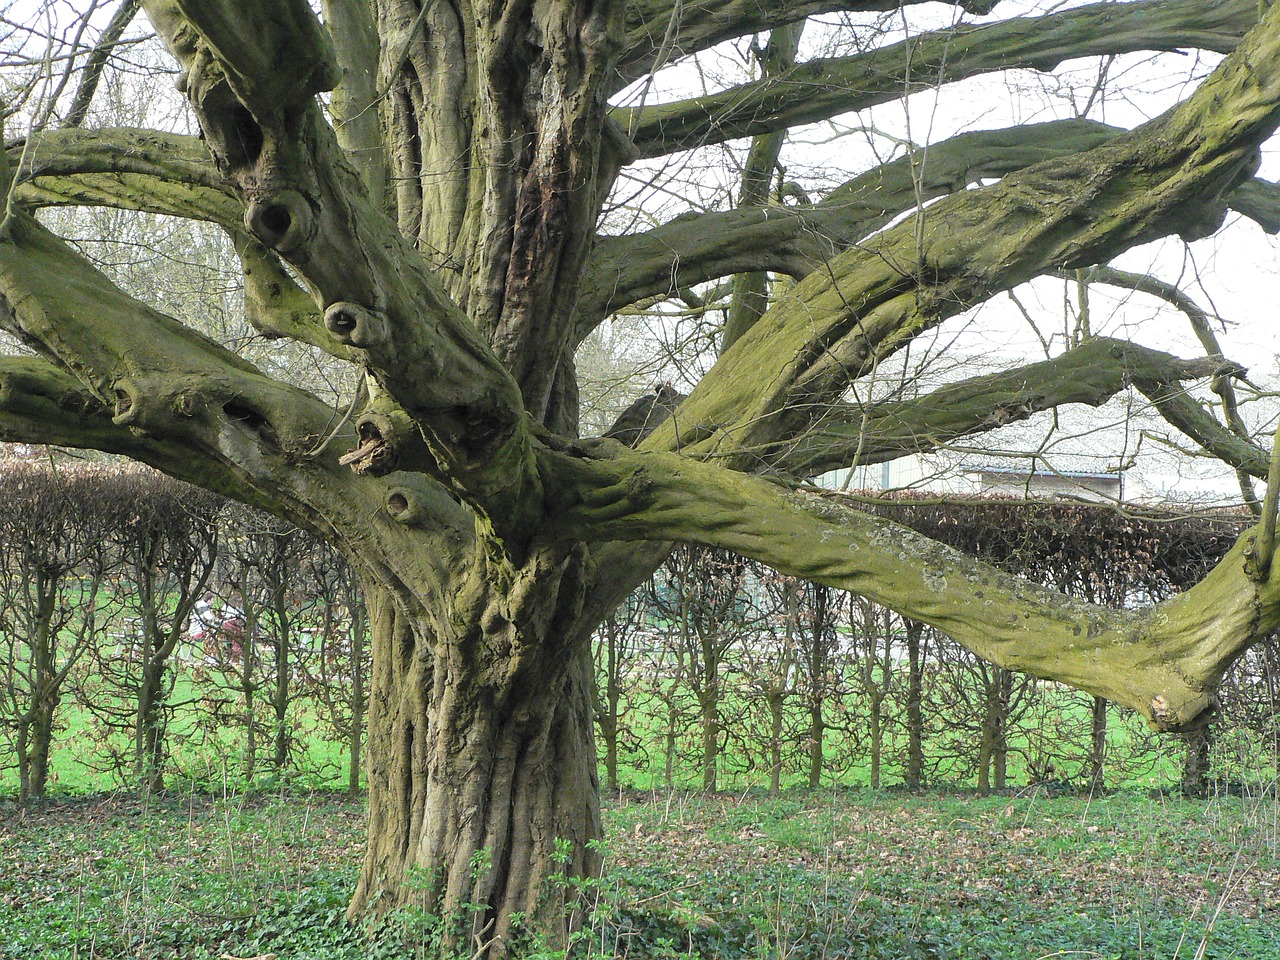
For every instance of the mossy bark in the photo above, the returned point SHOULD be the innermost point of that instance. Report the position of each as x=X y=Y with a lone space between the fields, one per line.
x=482 y=786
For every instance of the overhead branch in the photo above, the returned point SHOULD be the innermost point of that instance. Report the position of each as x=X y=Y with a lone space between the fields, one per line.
x=172 y=175
x=166 y=157
x=750 y=296
x=1091 y=374
x=40 y=402
x=1167 y=176
x=1163 y=662
x=824 y=88
x=660 y=31
x=796 y=240
x=130 y=169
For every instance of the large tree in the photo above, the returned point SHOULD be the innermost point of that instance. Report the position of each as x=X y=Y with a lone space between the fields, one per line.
x=434 y=222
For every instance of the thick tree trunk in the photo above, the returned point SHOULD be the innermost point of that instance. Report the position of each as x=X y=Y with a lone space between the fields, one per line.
x=479 y=794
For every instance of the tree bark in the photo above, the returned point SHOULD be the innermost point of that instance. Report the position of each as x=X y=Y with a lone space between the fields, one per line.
x=478 y=797
x=280 y=688
x=818 y=681
x=149 y=739
x=608 y=715
x=1097 y=744
x=34 y=760
x=358 y=697
x=709 y=710
x=776 y=700
x=915 y=720
x=986 y=733
x=1196 y=762
x=1000 y=750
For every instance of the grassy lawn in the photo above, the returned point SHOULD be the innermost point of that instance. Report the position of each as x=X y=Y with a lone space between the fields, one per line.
x=833 y=874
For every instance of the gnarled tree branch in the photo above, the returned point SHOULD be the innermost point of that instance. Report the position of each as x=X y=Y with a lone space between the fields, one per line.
x=121 y=376
x=1163 y=662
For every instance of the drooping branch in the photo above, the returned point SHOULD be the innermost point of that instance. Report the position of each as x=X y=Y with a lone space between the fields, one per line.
x=1164 y=177
x=659 y=31
x=1092 y=373
x=277 y=306
x=1187 y=414
x=821 y=89
x=1163 y=662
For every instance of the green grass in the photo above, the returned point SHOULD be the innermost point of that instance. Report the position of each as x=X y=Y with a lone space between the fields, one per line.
x=830 y=874
x=209 y=754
